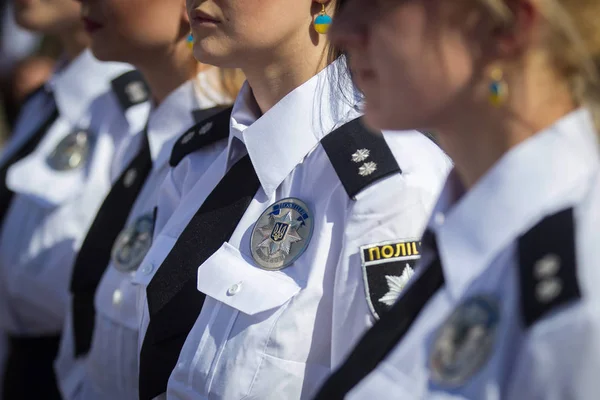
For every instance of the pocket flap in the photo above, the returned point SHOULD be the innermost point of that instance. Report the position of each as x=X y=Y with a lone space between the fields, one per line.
x=33 y=177
x=232 y=278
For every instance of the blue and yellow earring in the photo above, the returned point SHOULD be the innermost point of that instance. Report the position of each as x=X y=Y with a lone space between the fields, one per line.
x=190 y=41
x=498 y=88
x=322 y=21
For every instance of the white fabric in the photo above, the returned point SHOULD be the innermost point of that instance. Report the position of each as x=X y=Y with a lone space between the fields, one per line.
x=110 y=369
x=284 y=331
x=477 y=234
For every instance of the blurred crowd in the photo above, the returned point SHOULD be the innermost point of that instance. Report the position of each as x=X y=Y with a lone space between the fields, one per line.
x=26 y=61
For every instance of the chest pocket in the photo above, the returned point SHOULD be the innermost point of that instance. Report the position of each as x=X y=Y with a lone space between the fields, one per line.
x=242 y=307
x=231 y=278
x=60 y=167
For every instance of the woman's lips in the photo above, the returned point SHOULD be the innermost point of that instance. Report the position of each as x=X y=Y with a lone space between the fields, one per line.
x=91 y=26
x=200 y=18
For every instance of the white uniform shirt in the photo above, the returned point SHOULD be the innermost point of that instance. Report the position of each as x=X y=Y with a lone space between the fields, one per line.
x=51 y=210
x=109 y=370
x=278 y=334
x=558 y=356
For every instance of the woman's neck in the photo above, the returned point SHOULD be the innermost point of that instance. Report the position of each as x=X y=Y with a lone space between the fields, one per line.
x=284 y=71
x=476 y=143
x=73 y=41
x=165 y=73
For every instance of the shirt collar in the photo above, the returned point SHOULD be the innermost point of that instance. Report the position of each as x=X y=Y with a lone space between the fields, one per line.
x=279 y=140
x=537 y=177
x=79 y=82
x=174 y=115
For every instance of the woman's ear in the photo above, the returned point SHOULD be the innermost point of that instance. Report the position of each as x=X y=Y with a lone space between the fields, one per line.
x=185 y=18
x=515 y=38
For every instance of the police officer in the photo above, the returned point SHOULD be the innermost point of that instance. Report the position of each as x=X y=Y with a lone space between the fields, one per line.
x=272 y=271
x=98 y=354
x=504 y=304
x=55 y=172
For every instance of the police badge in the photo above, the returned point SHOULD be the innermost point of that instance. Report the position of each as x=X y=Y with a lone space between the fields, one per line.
x=464 y=342
x=71 y=152
x=387 y=268
x=133 y=243
x=281 y=234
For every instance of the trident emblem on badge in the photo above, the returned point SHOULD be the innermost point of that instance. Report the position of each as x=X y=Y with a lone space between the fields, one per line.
x=281 y=234
x=279 y=231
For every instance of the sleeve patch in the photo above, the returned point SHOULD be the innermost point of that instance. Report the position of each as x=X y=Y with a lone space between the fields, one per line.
x=387 y=268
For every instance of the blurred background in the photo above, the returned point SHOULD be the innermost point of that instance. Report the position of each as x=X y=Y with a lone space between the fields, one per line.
x=26 y=62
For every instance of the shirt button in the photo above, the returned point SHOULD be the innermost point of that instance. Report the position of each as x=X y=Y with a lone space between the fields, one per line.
x=117 y=297
x=148 y=268
x=130 y=177
x=234 y=289
x=439 y=218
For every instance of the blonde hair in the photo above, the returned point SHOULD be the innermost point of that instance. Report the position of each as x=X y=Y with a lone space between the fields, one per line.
x=225 y=83
x=574 y=44
x=231 y=81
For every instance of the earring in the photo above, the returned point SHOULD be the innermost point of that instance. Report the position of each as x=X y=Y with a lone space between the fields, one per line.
x=322 y=21
x=498 y=88
x=190 y=41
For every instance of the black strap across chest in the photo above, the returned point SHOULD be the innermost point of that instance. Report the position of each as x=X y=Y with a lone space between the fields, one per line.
x=26 y=148
x=174 y=302
x=388 y=331
x=94 y=255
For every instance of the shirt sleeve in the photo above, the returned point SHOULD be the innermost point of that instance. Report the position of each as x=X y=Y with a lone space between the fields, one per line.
x=560 y=357
x=392 y=213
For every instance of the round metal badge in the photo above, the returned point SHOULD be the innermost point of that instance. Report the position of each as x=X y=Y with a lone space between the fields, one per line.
x=133 y=243
x=281 y=234
x=71 y=152
x=464 y=342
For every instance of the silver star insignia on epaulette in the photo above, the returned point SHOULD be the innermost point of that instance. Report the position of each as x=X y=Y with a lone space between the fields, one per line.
x=549 y=285
x=130 y=177
x=205 y=129
x=186 y=139
x=361 y=155
x=136 y=92
x=395 y=286
x=367 y=168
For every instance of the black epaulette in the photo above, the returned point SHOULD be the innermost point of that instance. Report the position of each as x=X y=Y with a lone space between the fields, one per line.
x=131 y=89
x=360 y=157
x=548 y=266
x=204 y=133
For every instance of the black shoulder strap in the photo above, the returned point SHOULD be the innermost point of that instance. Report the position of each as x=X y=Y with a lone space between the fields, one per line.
x=360 y=157
x=131 y=89
x=548 y=266
x=210 y=130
